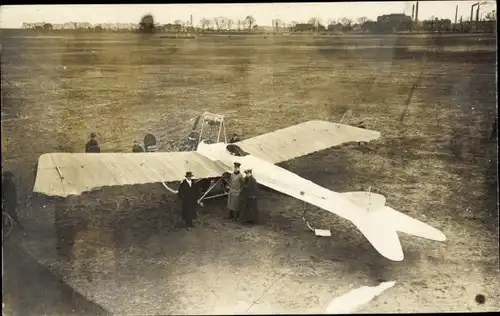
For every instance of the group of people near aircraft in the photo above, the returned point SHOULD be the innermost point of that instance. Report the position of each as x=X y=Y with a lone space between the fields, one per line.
x=243 y=188
x=92 y=146
x=241 y=201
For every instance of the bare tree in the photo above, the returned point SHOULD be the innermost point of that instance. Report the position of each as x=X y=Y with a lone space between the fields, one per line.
x=178 y=25
x=249 y=21
x=277 y=25
x=217 y=23
x=332 y=21
x=491 y=16
x=205 y=23
x=210 y=24
x=346 y=21
x=223 y=23
x=362 y=20
x=314 y=21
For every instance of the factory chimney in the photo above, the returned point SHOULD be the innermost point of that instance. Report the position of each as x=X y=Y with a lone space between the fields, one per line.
x=191 y=19
x=472 y=11
x=456 y=14
x=412 y=12
x=477 y=12
x=416 y=13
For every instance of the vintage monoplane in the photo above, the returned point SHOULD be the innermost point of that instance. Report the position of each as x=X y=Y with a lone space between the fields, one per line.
x=64 y=174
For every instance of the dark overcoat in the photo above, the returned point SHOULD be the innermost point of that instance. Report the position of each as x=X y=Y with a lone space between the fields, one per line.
x=92 y=147
x=189 y=196
x=9 y=194
x=137 y=149
x=234 y=197
x=250 y=194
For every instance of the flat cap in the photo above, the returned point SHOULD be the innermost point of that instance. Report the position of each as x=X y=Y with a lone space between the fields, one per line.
x=237 y=164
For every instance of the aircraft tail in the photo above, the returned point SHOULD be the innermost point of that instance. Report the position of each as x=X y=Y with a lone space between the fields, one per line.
x=383 y=237
x=408 y=225
x=380 y=224
x=380 y=227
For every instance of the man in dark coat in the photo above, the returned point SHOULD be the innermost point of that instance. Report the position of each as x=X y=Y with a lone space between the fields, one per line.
x=189 y=194
x=92 y=146
x=249 y=195
x=9 y=197
x=137 y=148
x=234 y=198
x=234 y=139
x=149 y=143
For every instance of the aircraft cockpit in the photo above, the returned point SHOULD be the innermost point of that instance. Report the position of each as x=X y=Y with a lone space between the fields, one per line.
x=235 y=150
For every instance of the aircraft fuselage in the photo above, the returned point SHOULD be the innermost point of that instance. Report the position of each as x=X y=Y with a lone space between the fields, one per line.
x=284 y=181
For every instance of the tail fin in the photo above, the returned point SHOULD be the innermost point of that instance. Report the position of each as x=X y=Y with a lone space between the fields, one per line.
x=381 y=225
x=381 y=235
x=406 y=224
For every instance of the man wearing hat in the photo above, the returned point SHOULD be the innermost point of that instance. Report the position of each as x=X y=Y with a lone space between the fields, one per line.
x=137 y=148
x=189 y=194
x=9 y=196
x=149 y=143
x=92 y=146
x=249 y=197
x=234 y=139
x=235 y=185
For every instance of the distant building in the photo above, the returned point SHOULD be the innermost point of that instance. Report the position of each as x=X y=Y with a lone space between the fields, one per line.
x=83 y=25
x=336 y=27
x=69 y=26
x=394 y=22
x=303 y=27
x=394 y=18
x=267 y=29
x=28 y=26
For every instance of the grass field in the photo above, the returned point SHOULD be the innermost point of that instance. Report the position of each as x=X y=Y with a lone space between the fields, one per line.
x=434 y=162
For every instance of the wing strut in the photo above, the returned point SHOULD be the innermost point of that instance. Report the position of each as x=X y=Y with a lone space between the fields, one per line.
x=163 y=183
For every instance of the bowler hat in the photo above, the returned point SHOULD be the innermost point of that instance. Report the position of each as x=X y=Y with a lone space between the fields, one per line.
x=93 y=134
x=189 y=174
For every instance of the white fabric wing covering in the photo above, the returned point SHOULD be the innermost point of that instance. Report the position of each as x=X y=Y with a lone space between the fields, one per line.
x=303 y=139
x=64 y=174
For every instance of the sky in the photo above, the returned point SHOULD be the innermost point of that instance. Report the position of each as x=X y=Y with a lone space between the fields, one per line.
x=13 y=16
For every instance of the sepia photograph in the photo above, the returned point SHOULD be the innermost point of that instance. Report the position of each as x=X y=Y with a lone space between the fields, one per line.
x=249 y=158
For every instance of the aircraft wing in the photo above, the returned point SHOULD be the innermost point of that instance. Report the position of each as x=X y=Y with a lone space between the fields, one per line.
x=64 y=174
x=303 y=139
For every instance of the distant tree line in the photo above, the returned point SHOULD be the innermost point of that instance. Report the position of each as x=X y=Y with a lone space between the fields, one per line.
x=390 y=23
